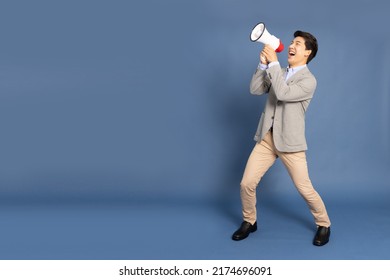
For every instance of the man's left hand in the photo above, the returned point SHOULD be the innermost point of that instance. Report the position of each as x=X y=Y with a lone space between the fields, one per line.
x=269 y=53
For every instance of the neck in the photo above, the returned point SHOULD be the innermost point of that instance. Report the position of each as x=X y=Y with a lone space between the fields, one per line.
x=295 y=66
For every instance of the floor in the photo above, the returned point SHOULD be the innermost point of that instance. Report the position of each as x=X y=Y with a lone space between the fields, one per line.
x=145 y=229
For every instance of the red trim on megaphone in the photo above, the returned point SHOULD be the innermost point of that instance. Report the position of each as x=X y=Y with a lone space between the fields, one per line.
x=281 y=47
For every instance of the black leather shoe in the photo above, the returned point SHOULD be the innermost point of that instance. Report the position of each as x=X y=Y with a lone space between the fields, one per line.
x=322 y=236
x=244 y=231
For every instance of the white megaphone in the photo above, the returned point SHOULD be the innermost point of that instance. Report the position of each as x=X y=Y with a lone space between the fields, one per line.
x=260 y=34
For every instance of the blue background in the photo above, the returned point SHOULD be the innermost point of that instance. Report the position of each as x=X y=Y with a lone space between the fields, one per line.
x=126 y=126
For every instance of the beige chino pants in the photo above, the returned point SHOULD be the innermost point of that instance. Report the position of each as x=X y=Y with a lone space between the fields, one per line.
x=261 y=159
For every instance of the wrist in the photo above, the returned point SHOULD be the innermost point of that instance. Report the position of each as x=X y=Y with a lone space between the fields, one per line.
x=273 y=63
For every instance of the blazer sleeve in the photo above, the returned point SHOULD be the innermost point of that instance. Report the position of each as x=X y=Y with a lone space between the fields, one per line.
x=260 y=83
x=302 y=89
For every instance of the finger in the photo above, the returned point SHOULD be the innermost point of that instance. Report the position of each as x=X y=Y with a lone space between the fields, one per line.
x=267 y=47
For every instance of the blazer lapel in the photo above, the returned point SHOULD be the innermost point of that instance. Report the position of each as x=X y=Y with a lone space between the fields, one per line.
x=301 y=72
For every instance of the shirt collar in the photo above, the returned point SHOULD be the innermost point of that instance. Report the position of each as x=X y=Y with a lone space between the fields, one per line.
x=295 y=69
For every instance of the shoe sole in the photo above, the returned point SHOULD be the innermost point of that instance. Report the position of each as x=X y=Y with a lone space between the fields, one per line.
x=320 y=244
x=242 y=238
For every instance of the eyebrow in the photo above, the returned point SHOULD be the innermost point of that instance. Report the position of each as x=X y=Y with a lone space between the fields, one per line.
x=297 y=42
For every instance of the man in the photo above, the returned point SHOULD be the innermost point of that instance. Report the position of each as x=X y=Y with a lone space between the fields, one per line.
x=281 y=131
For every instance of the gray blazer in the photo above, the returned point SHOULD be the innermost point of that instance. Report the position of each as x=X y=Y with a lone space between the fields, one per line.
x=285 y=107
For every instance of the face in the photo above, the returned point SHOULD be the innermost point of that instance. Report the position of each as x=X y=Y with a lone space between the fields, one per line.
x=297 y=53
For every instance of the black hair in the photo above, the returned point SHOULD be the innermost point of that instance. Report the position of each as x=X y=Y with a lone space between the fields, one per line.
x=310 y=43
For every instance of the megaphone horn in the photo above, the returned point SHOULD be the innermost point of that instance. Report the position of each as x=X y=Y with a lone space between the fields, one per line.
x=261 y=35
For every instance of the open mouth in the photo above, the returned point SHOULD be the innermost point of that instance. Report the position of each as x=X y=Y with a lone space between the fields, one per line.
x=291 y=53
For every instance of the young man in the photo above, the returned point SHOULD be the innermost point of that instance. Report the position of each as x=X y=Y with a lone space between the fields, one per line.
x=281 y=131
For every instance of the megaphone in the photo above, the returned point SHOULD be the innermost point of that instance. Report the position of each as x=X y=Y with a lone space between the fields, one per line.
x=261 y=35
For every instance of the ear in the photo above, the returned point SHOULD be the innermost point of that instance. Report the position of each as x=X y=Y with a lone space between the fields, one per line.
x=307 y=53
